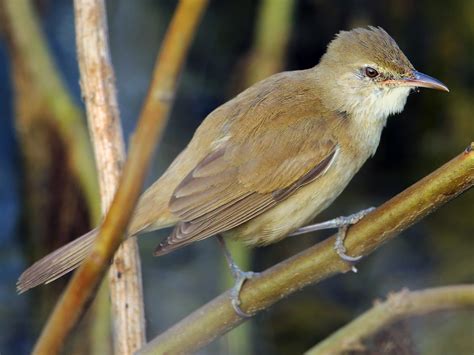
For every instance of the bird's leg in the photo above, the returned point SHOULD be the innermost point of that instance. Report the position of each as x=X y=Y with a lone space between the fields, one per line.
x=239 y=277
x=342 y=223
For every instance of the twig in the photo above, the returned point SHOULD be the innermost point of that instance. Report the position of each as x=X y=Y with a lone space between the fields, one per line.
x=320 y=261
x=98 y=88
x=397 y=306
x=152 y=121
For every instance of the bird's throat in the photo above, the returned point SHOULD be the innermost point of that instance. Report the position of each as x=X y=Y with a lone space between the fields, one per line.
x=370 y=114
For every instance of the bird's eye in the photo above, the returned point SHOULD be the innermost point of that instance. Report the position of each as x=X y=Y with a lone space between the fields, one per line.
x=371 y=72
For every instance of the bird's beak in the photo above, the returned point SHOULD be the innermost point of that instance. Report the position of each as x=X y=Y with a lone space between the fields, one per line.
x=424 y=81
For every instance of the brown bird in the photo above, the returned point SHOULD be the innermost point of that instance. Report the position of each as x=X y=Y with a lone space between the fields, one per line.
x=268 y=161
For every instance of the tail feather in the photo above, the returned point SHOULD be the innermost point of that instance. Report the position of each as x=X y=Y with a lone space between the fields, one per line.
x=58 y=263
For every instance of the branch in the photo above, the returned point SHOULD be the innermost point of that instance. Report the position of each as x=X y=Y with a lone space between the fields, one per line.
x=98 y=87
x=152 y=121
x=397 y=306
x=320 y=261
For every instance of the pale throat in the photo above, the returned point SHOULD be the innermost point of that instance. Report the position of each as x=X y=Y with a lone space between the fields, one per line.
x=378 y=103
x=370 y=113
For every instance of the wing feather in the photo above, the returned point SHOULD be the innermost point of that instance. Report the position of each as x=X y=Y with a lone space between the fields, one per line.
x=226 y=213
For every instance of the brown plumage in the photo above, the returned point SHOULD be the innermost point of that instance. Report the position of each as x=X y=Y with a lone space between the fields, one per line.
x=268 y=161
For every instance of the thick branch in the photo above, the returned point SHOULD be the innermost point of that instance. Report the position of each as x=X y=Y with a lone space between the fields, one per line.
x=98 y=91
x=98 y=87
x=149 y=130
x=398 y=306
x=320 y=261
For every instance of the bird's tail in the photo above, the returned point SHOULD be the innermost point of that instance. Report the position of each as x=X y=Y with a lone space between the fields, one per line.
x=58 y=263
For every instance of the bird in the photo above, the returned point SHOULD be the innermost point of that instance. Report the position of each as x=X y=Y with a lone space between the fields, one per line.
x=263 y=165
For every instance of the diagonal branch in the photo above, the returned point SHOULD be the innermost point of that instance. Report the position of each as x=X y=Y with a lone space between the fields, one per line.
x=398 y=306
x=98 y=88
x=150 y=127
x=320 y=261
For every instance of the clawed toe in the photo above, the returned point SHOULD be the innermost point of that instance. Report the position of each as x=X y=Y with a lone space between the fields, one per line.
x=240 y=278
x=341 y=235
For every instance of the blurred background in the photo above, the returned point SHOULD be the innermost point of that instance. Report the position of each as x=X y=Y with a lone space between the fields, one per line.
x=48 y=193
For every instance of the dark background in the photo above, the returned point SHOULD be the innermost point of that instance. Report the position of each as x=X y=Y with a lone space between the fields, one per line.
x=437 y=36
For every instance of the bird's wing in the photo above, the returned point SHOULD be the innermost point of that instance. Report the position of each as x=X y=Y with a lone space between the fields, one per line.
x=247 y=175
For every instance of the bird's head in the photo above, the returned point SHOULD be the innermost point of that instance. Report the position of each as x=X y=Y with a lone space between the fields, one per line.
x=364 y=71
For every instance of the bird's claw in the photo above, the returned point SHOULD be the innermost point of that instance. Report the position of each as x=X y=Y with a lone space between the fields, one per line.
x=341 y=235
x=240 y=278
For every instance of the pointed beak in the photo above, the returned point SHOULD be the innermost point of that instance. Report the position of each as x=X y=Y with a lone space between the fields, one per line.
x=424 y=81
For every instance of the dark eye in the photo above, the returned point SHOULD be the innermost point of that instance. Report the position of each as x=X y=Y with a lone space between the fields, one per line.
x=371 y=72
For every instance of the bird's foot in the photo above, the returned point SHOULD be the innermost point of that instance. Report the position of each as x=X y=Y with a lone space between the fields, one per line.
x=240 y=277
x=343 y=225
